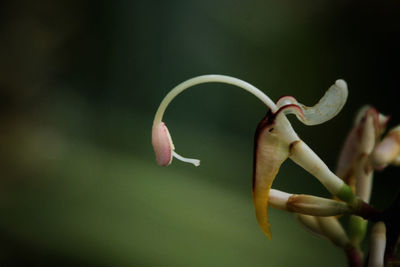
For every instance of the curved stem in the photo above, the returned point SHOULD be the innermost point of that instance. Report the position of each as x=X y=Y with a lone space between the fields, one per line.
x=208 y=79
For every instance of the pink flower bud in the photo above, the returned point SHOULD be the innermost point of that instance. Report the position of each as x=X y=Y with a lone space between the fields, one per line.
x=162 y=144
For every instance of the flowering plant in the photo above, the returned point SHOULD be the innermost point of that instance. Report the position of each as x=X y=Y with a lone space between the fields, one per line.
x=351 y=185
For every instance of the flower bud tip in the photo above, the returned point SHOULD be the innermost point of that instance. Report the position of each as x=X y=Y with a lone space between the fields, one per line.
x=341 y=83
x=162 y=144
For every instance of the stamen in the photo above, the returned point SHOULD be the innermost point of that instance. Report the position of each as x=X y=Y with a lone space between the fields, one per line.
x=195 y=162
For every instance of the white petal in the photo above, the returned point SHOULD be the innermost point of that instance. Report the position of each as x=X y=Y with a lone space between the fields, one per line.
x=327 y=107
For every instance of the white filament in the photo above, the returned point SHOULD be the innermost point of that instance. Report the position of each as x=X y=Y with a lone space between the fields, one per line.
x=195 y=162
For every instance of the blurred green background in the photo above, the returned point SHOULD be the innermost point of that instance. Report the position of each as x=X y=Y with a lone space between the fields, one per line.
x=80 y=82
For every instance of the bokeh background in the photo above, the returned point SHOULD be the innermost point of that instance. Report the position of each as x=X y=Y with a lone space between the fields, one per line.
x=79 y=85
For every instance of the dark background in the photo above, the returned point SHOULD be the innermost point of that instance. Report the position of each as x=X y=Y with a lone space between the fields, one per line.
x=80 y=82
